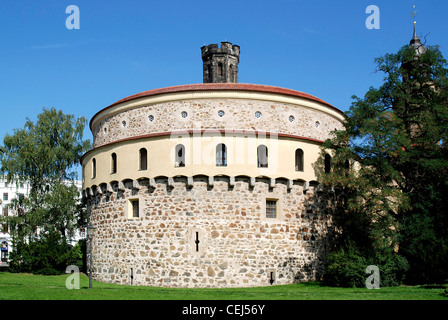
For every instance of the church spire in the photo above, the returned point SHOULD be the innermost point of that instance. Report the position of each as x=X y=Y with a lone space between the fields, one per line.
x=416 y=43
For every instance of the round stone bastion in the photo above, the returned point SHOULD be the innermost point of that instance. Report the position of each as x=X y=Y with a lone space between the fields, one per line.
x=208 y=185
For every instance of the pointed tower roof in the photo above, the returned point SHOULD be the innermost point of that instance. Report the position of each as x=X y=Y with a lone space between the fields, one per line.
x=416 y=43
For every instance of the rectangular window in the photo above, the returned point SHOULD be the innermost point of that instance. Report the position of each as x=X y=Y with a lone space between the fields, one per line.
x=5 y=211
x=133 y=208
x=135 y=212
x=271 y=209
x=5 y=195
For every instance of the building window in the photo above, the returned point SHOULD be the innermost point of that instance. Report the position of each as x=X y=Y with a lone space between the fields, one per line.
x=143 y=159
x=5 y=211
x=220 y=69
x=179 y=160
x=93 y=168
x=327 y=163
x=262 y=156
x=271 y=209
x=221 y=155
x=299 y=160
x=5 y=195
x=133 y=208
x=113 y=163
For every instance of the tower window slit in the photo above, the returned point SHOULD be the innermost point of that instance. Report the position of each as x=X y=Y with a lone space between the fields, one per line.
x=197 y=241
x=113 y=163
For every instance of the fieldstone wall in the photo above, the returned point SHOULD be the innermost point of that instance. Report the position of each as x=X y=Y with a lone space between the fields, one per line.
x=221 y=114
x=238 y=246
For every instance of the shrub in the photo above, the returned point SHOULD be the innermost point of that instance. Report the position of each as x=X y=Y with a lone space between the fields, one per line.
x=48 y=255
x=346 y=268
x=47 y=271
x=393 y=268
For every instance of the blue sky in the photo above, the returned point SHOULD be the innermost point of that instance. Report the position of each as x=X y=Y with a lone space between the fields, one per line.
x=125 y=47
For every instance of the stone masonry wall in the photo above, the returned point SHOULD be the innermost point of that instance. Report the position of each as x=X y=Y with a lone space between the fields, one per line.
x=238 y=246
x=236 y=114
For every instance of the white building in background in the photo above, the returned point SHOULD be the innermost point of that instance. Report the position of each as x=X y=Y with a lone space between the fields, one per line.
x=8 y=192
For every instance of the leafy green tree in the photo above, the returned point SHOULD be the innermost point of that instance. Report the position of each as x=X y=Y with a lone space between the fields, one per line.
x=44 y=155
x=390 y=168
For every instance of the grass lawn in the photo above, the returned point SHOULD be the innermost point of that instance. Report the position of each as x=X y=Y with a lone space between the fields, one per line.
x=34 y=287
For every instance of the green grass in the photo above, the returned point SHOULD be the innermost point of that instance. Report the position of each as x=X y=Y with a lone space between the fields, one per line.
x=34 y=287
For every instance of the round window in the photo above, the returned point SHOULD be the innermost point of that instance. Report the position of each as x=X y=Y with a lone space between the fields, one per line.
x=258 y=114
x=317 y=124
x=123 y=123
x=291 y=119
x=221 y=113
x=151 y=118
x=184 y=114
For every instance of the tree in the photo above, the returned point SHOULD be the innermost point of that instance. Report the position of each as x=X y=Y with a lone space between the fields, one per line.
x=390 y=167
x=44 y=155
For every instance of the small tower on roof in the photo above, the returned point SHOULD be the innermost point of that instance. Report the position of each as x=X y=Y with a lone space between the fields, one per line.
x=220 y=65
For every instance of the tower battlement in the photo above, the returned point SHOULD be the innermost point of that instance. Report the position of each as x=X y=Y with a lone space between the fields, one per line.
x=226 y=48
x=220 y=64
